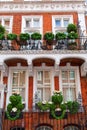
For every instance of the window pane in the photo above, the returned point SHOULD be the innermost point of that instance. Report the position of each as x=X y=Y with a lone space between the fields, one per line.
x=18 y=83
x=57 y=23
x=66 y=22
x=69 y=85
x=28 y=23
x=36 y=23
x=47 y=93
x=6 y=23
x=47 y=77
x=43 y=85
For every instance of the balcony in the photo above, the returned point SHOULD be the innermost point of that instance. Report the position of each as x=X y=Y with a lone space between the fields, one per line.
x=65 y=44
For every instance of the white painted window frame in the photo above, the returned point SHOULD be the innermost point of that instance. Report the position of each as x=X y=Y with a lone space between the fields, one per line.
x=10 y=18
x=78 y=86
x=24 y=18
x=61 y=17
x=43 y=68
x=9 y=91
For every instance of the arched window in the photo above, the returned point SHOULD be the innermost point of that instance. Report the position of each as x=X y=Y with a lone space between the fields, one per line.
x=44 y=127
x=71 y=127
x=17 y=128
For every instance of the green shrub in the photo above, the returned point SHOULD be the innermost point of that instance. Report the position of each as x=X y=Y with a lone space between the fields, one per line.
x=36 y=36
x=72 y=35
x=71 y=28
x=60 y=36
x=2 y=37
x=49 y=36
x=11 y=36
x=24 y=36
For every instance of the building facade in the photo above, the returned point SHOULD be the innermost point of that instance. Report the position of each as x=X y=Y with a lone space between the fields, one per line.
x=34 y=69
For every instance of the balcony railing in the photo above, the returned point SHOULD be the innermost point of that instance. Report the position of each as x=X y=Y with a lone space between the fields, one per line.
x=65 y=44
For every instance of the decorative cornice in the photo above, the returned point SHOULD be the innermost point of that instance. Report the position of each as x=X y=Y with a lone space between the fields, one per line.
x=26 y=52
x=43 y=6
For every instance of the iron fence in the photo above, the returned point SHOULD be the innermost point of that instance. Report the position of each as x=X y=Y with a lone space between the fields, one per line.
x=65 y=44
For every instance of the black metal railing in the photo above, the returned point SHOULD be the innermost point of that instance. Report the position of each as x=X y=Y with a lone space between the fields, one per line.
x=31 y=119
x=65 y=44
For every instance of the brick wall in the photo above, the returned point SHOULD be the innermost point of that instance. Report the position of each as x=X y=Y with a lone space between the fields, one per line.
x=47 y=19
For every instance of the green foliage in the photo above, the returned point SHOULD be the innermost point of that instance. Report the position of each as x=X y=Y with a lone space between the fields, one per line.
x=60 y=36
x=71 y=28
x=49 y=36
x=24 y=36
x=57 y=98
x=63 y=106
x=11 y=36
x=15 y=99
x=42 y=106
x=36 y=36
x=72 y=35
x=9 y=107
x=15 y=105
x=73 y=106
x=58 y=105
x=2 y=37
x=2 y=29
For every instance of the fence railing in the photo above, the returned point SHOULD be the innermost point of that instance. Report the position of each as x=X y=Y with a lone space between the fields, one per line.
x=30 y=120
x=65 y=44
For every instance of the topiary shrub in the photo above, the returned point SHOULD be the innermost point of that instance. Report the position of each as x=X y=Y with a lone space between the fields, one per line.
x=60 y=36
x=15 y=106
x=24 y=36
x=11 y=36
x=71 y=28
x=36 y=36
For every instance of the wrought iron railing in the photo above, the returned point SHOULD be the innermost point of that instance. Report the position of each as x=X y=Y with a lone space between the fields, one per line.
x=31 y=119
x=65 y=44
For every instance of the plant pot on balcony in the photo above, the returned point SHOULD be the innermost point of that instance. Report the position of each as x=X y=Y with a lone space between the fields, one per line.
x=72 y=46
x=49 y=38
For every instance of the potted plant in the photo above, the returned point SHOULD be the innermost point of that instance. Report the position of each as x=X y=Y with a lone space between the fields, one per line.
x=11 y=36
x=72 y=45
x=49 y=37
x=72 y=35
x=71 y=28
x=24 y=36
x=36 y=36
x=73 y=106
x=60 y=36
x=15 y=107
